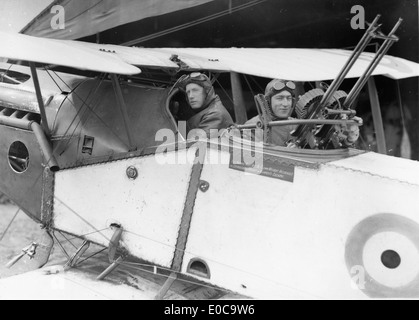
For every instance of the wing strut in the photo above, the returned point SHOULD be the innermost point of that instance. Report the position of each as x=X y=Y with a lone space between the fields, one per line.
x=123 y=107
x=377 y=117
x=40 y=100
x=238 y=99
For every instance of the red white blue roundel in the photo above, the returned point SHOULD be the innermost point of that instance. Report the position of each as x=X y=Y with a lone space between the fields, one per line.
x=382 y=256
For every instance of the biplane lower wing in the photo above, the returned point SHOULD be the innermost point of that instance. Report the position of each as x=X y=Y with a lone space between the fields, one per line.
x=81 y=285
x=132 y=281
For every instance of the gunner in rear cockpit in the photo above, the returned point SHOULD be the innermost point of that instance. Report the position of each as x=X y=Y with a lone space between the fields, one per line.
x=280 y=96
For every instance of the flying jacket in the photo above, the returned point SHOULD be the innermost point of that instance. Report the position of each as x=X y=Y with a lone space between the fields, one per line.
x=213 y=116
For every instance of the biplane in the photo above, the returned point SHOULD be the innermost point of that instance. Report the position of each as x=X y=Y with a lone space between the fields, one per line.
x=79 y=155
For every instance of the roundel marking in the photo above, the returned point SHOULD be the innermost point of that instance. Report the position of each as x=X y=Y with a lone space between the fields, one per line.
x=386 y=248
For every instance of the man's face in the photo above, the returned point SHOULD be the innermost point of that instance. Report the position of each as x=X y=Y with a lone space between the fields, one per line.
x=282 y=104
x=196 y=95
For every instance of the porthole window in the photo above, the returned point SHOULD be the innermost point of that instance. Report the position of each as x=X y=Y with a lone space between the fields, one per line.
x=18 y=157
x=199 y=268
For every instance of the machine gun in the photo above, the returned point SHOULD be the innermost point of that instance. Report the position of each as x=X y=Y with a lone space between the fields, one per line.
x=334 y=104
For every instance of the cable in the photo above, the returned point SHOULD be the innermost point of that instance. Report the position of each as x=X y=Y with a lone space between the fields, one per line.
x=225 y=92
x=81 y=218
x=193 y=23
x=248 y=84
x=93 y=255
x=400 y=102
x=10 y=224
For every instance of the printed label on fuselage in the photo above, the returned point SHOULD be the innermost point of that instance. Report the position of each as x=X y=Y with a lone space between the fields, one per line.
x=272 y=167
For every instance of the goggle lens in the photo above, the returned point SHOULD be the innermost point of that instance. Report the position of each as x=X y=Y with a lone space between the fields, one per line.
x=280 y=85
x=195 y=75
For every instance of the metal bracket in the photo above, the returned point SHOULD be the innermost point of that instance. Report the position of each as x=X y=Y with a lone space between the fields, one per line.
x=114 y=244
x=166 y=287
x=30 y=251
x=72 y=262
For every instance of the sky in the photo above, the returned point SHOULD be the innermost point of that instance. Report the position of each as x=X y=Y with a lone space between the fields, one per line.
x=16 y=14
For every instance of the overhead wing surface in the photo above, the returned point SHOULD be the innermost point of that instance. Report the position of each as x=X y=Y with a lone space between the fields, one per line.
x=62 y=53
x=89 y=17
x=292 y=64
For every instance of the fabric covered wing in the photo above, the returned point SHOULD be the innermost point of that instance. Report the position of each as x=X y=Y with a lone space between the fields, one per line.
x=292 y=64
x=63 y=53
x=88 y=17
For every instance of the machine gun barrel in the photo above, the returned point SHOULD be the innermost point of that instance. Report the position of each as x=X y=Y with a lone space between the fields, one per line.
x=390 y=39
x=359 y=49
x=351 y=113
x=282 y=123
x=303 y=130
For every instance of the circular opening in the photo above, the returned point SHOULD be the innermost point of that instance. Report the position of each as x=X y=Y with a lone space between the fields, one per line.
x=199 y=267
x=18 y=157
x=391 y=259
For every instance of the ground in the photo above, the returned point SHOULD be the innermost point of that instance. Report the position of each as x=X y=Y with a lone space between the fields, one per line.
x=22 y=232
x=134 y=273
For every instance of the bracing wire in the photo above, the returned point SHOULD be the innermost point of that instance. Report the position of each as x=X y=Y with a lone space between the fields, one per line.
x=194 y=23
x=225 y=92
x=9 y=225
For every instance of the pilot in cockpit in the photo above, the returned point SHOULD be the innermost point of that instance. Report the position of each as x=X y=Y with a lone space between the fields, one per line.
x=208 y=112
x=280 y=96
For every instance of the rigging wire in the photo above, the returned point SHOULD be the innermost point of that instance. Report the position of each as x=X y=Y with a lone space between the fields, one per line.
x=184 y=251
x=248 y=84
x=76 y=115
x=93 y=255
x=92 y=110
x=9 y=225
x=69 y=140
x=257 y=84
x=400 y=103
x=82 y=235
x=67 y=240
x=60 y=246
x=82 y=219
x=405 y=137
x=177 y=249
x=194 y=23
x=225 y=92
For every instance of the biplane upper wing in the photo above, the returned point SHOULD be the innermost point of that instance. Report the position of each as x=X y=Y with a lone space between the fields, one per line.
x=85 y=18
x=62 y=53
x=292 y=64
